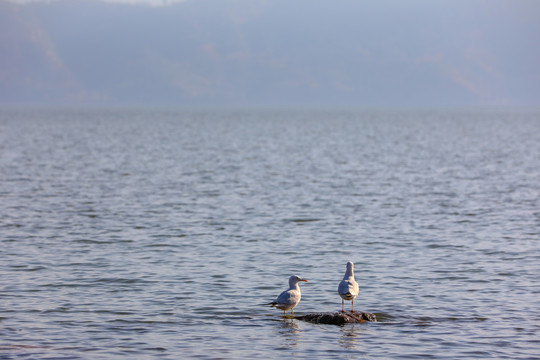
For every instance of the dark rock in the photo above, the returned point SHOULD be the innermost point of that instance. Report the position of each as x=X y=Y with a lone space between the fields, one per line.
x=338 y=318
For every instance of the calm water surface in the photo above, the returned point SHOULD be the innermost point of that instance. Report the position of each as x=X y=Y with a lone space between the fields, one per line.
x=161 y=233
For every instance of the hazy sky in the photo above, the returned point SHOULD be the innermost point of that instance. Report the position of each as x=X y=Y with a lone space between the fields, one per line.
x=271 y=52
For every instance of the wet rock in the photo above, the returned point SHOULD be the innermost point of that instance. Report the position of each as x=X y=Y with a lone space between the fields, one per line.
x=338 y=318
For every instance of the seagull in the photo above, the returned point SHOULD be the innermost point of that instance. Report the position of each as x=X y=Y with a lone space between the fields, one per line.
x=348 y=288
x=288 y=299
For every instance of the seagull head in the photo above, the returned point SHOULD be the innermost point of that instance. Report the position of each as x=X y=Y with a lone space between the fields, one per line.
x=295 y=279
x=350 y=269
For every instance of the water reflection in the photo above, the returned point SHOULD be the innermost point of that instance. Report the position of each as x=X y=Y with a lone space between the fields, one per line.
x=350 y=337
x=289 y=330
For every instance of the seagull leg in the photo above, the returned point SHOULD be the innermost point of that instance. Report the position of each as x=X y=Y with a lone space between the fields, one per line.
x=284 y=313
x=342 y=304
x=352 y=306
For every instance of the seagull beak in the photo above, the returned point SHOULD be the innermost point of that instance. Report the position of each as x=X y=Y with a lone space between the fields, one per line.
x=303 y=280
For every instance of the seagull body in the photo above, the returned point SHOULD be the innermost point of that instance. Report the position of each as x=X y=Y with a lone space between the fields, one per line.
x=348 y=287
x=288 y=299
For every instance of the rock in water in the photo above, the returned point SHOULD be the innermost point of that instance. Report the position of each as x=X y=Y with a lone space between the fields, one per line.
x=338 y=318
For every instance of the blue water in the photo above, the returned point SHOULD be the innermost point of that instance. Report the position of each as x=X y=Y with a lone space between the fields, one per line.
x=160 y=233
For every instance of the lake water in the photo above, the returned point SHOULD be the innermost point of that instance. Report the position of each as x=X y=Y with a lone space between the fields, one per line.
x=161 y=233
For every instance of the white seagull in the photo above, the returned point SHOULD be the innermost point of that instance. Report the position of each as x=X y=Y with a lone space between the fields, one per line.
x=288 y=299
x=348 y=288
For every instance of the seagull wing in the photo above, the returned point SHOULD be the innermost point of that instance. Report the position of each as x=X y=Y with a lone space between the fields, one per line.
x=343 y=288
x=348 y=288
x=287 y=299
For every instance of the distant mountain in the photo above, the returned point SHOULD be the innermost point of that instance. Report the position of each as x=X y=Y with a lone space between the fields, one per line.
x=280 y=52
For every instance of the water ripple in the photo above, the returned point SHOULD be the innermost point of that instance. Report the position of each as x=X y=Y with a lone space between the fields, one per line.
x=129 y=237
